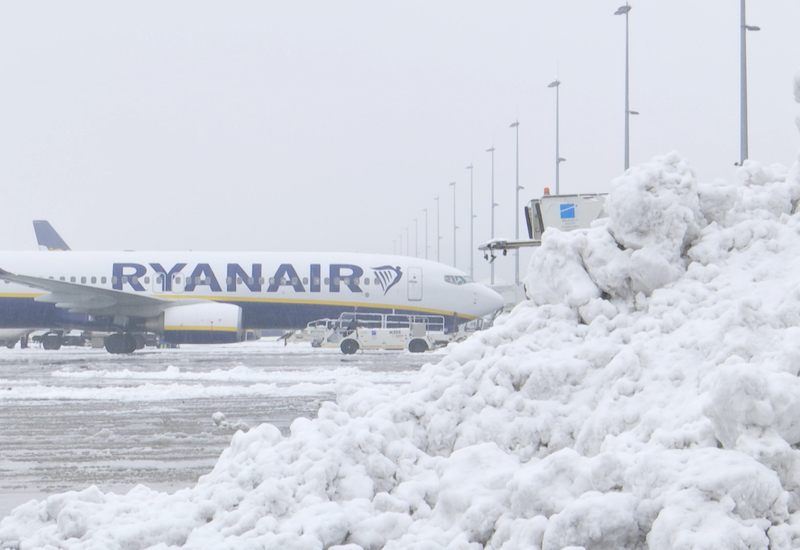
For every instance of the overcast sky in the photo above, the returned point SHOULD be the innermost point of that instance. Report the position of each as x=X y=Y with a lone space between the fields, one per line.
x=326 y=125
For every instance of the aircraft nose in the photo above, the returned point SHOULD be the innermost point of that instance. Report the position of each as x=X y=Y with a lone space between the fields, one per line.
x=489 y=301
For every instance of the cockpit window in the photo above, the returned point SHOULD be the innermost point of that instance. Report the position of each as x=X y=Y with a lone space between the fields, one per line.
x=458 y=279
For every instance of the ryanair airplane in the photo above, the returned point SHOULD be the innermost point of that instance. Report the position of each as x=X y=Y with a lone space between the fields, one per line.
x=214 y=297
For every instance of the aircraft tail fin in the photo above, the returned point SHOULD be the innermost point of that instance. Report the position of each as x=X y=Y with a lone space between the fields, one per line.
x=47 y=237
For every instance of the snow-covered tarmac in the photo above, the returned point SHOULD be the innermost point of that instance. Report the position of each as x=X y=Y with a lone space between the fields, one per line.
x=79 y=417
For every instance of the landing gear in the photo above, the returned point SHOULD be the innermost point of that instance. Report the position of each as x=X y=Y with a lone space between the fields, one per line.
x=121 y=343
x=51 y=341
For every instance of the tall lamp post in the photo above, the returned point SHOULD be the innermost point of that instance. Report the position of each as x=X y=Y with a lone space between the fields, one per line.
x=438 y=237
x=559 y=159
x=623 y=10
x=743 y=109
x=408 y=247
x=426 y=232
x=416 y=239
x=455 y=227
x=471 y=227
x=494 y=204
x=517 y=187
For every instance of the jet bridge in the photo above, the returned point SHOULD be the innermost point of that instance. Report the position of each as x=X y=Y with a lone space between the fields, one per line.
x=565 y=212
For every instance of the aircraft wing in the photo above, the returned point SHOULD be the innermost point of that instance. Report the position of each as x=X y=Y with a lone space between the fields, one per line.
x=91 y=300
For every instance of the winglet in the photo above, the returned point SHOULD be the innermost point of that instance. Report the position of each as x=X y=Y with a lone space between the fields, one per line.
x=47 y=237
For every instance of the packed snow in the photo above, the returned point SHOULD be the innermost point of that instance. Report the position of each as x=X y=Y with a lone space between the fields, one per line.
x=646 y=395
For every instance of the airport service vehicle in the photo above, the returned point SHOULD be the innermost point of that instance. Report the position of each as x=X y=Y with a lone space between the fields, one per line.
x=214 y=297
x=565 y=212
x=414 y=336
x=354 y=331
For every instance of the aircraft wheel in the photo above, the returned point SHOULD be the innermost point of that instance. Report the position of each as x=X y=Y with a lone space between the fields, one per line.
x=140 y=341
x=51 y=341
x=349 y=346
x=120 y=343
x=11 y=345
x=131 y=343
x=417 y=345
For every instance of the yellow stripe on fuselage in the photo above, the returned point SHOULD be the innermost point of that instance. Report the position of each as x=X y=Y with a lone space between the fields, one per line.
x=234 y=299
x=204 y=329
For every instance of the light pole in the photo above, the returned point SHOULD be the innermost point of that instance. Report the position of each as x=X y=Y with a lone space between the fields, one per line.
x=426 y=232
x=517 y=187
x=455 y=227
x=557 y=84
x=408 y=248
x=416 y=239
x=438 y=237
x=623 y=10
x=743 y=50
x=401 y=243
x=494 y=204
x=471 y=227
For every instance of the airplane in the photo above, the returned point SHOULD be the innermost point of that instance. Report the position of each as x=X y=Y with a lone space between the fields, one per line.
x=47 y=237
x=214 y=297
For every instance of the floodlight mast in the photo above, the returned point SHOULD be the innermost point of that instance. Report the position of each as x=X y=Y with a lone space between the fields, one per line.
x=623 y=10
x=494 y=205
x=743 y=145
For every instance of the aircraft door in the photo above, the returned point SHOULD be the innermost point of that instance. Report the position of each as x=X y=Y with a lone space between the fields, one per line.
x=414 y=284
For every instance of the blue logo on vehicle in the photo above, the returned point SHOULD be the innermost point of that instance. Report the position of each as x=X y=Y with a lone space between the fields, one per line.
x=567 y=211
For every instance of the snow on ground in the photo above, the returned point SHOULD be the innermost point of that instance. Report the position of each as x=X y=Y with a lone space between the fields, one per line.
x=646 y=396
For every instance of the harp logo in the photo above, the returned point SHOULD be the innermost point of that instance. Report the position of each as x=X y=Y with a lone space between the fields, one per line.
x=388 y=276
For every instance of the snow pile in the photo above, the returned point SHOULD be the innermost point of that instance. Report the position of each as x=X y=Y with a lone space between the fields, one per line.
x=646 y=396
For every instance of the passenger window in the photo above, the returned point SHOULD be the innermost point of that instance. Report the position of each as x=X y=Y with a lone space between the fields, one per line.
x=294 y=280
x=316 y=281
x=113 y=280
x=94 y=280
x=336 y=280
x=72 y=279
x=103 y=280
x=135 y=280
x=327 y=280
x=366 y=280
x=124 y=279
x=250 y=280
x=147 y=280
x=160 y=279
x=261 y=280
x=305 y=280
x=83 y=280
x=272 y=280
x=177 y=280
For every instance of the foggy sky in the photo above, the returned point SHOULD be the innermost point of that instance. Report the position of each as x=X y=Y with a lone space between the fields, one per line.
x=319 y=125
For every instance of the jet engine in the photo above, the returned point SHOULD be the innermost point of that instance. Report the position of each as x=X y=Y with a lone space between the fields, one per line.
x=211 y=323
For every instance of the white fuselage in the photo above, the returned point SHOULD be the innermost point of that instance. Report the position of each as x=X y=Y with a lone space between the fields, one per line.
x=273 y=289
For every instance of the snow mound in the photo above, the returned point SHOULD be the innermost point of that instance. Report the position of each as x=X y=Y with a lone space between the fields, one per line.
x=645 y=396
